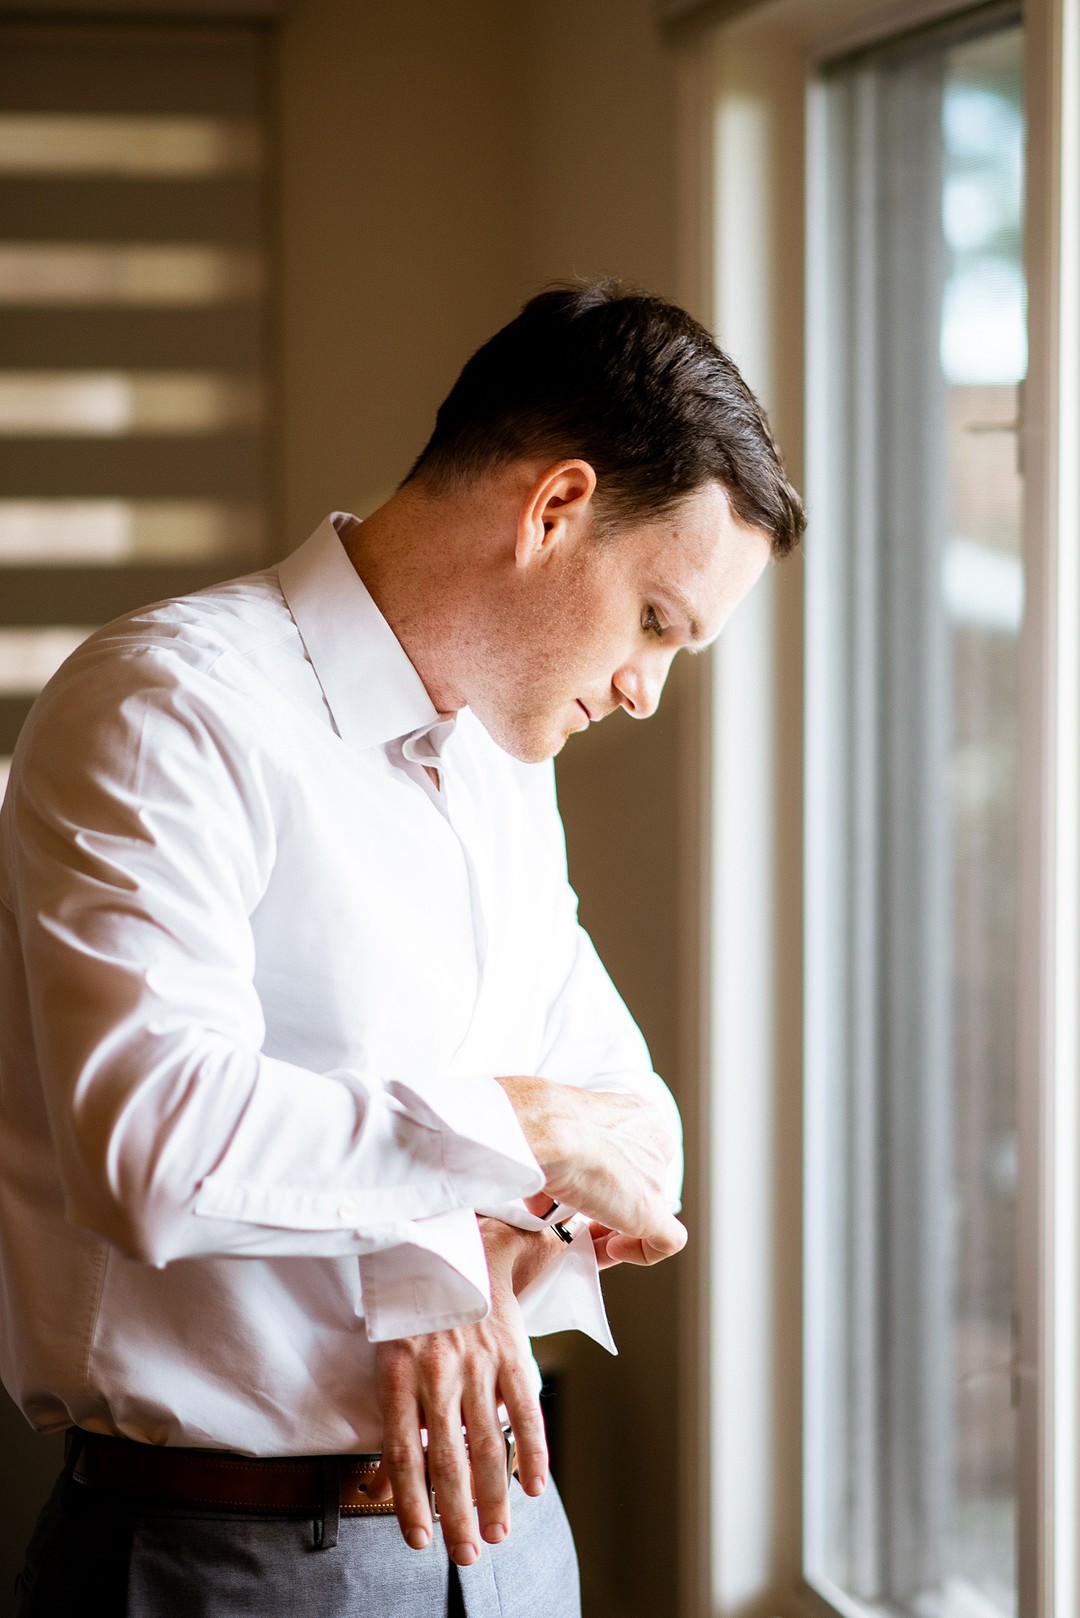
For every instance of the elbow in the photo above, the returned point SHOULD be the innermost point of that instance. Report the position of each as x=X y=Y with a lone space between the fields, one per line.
x=138 y=1154
x=124 y=1195
x=139 y=1233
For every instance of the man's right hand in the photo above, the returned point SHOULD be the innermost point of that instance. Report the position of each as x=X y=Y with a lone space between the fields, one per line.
x=606 y=1154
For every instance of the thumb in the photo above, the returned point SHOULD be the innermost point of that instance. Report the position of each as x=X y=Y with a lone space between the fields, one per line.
x=663 y=1241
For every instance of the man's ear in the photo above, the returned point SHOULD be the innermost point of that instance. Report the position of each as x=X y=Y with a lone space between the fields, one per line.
x=558 y=508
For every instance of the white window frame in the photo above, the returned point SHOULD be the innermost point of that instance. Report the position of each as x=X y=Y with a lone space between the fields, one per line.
x=748 y=268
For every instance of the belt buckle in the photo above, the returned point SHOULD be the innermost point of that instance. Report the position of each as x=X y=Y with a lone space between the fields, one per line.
x=511 y=1463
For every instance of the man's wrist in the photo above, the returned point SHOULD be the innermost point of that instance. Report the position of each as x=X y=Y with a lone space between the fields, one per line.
x=521 y=1254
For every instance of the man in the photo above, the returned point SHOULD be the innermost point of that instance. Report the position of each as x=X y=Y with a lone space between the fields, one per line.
x=302 y=1049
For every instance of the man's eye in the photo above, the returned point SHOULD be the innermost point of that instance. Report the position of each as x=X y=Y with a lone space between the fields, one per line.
x=651 y=623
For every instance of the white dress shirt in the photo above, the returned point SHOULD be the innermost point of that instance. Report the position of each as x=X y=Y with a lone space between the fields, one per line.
x=257 y=974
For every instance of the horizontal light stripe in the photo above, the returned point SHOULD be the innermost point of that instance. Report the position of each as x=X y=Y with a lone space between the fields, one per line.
x=112 y=403
x=139 y=273
x=30 y=657
x=64 y=143
x=62 y=533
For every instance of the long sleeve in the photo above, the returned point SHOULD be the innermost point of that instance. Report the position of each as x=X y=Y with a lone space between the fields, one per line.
x=145 y=835
x=591 y=1039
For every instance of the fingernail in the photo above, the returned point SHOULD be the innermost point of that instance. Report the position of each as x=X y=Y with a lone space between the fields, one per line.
x=536 y=1485
x=494 y=1533
x=418 y=1539
x=465 y=1555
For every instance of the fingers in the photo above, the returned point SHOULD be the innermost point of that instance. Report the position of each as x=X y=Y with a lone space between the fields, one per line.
x=487 y=1441
x=664 y=1240
x=403 y=1465
x=448 y=1382
x=527 y=1425
x=487 y=1453
x=601 y=1235
x=612 y=1247
x=448 y=1468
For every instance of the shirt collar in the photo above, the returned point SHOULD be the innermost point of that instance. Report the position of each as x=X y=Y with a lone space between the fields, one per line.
x=371 y=688
x=425 y=746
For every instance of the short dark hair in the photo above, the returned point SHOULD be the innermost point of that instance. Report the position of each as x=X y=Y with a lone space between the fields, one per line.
x=628 y=382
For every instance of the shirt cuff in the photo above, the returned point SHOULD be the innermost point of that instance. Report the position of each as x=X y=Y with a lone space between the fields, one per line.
x=478 y=1127
x=566 y=1295
x=432 y=1277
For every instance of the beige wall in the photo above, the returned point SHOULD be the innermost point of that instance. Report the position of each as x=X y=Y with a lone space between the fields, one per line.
x=440 y=162
x=397 y=246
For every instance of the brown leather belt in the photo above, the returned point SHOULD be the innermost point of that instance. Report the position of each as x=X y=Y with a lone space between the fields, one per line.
x=213 y=1478
x=210 y=1478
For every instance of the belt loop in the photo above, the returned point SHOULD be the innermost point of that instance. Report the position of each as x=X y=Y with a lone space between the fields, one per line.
x=328 y=1524
x=73 y=1438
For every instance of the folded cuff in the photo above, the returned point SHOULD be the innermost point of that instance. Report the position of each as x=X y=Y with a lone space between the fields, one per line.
x=432 y=1275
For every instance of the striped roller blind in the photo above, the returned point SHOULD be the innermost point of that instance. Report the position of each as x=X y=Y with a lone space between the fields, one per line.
x=133 y=322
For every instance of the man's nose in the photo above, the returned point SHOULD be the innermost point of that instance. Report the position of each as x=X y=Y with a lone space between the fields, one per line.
x=639 y=686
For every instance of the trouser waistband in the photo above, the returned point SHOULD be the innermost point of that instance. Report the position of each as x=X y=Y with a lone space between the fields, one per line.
x=218 y=1479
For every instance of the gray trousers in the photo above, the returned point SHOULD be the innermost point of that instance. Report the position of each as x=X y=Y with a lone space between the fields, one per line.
x=97 y=1552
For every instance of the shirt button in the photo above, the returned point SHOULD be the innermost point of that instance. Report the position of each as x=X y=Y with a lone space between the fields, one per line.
x=347 y=1211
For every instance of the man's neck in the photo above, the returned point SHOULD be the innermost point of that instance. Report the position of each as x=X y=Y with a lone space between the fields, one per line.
x=423 y=562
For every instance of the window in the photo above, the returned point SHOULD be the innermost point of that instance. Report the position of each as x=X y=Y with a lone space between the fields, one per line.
x=916 y=594
x=882 y=223
x=133 y=317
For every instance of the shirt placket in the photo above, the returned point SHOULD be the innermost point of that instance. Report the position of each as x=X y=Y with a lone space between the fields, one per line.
x=425 y=750
x=461 y=816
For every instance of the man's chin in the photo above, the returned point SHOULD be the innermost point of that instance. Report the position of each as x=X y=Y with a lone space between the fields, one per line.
x=528 y=746
x=533 y=751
